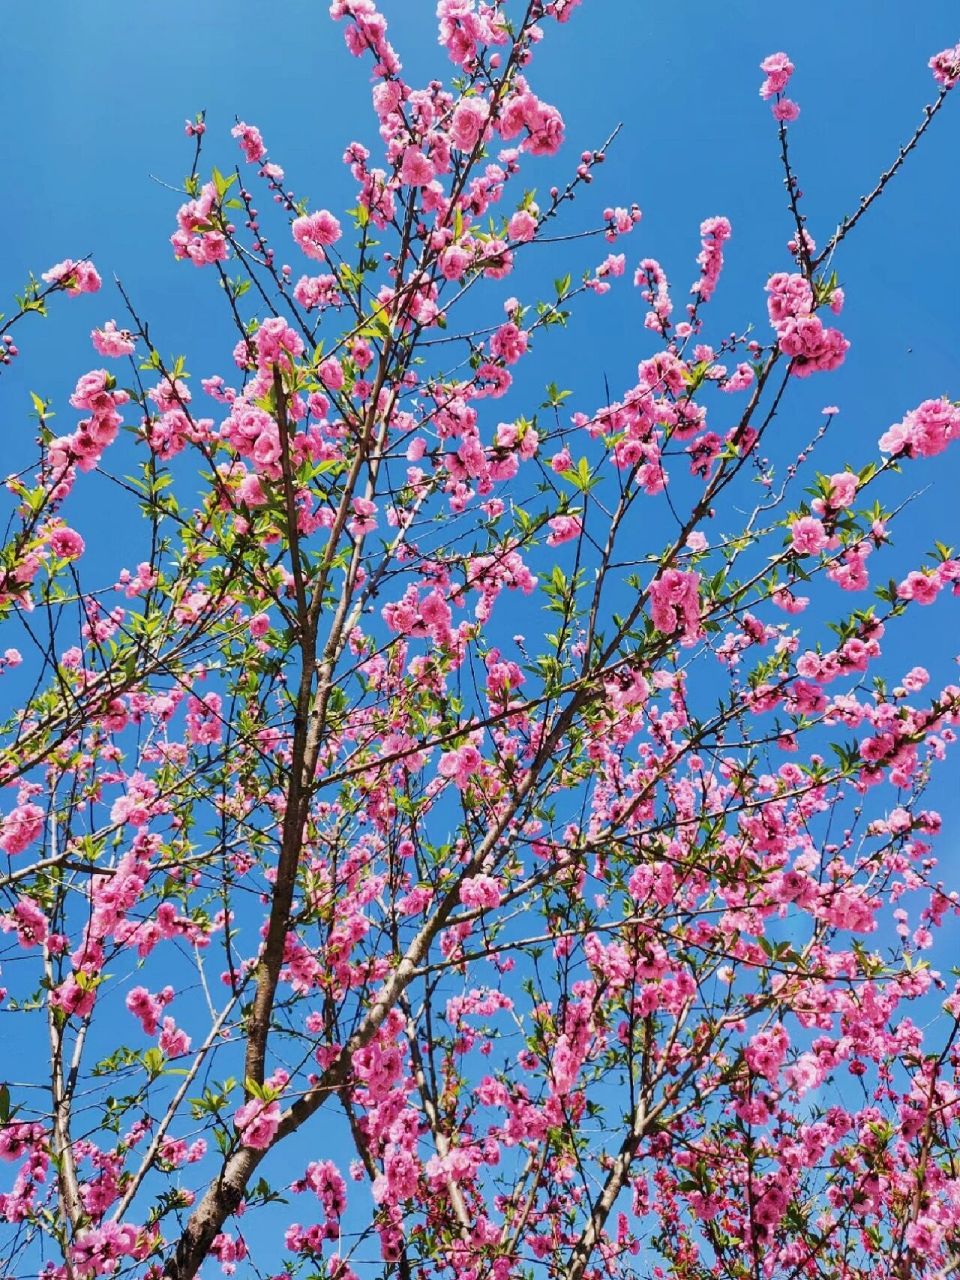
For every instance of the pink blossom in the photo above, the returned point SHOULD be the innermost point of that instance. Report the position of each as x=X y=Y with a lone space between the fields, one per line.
x=786 y=110
x=361 y=353
x=331 y=373
x=807 y=536
x=843 y=490
x=415 y=169
x=509 y=343
x=563 y=529
x=675 y=601
x=467 y=124
x=562 y=10
x=811 y=345
x=778 y=69
x=65 y=543
x=497 y=259
x=714 y=233
x=204 y=719
x=20 y=827
x=850 y=571
x=315 y=232
x=766 y=1051
x=480 y=891
x=29 y=921
x=278 y=345
x=317 y=291
x=95 y=1250
x=251 y=143
x=111 y=341
x=173 y=1041
x=922 y=588
x=17 y=1137
x=136 y=806
x=198 y=235
x=257 y=1123
x=363 y=521
x=925 y=431
x=147 y=1008
x=75 y=277
x=790 y=296
x=945 y=66
x=453 y=262
x=460 y=765
x=522 y=226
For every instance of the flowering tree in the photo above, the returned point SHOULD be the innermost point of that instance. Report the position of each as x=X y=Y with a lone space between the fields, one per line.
x=350 y=933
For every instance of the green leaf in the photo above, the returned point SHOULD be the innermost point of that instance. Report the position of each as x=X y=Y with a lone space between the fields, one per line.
x=153 y=1060
x=221 y=183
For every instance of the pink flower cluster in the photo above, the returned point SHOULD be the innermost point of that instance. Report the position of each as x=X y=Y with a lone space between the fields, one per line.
x=255 y=435
x=923 y=588
x=97 y=393
x=111 y=341
x=257 y=1123
x=675 y=603
x=316 y=232
x=250 y=140
x=460 y=766
x=766 y=1051
x=778 y=69
x=945 y=66
x=843 y=490
x=367 y=33
x=65 y=543
x=204 y=719
x=714 y=233
x=199 y=236
x=20 y=828
x=570 y=1050
x=430 y=616
x=97 y=1250
x=509 y=343
x=468 y=123
x=562 y=10
x=523 y=111
x=147 y=1008
x=258 y=1119
x=314 y=292
x=801 y=334
x=807 y=536
x=480 y=891
x=325 y=1180
x=563 y=529
x=277 y=346
x=463 y=29
x=651 y=279
x=74 y=277
x=925 y=431
x=28 y=921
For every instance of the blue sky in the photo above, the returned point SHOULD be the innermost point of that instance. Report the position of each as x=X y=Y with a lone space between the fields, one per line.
x=96 y=95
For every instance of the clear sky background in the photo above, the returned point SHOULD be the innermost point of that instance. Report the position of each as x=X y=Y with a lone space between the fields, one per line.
x=95 y=96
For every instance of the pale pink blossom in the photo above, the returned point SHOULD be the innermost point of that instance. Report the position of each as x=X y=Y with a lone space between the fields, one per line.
x=315 y=232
